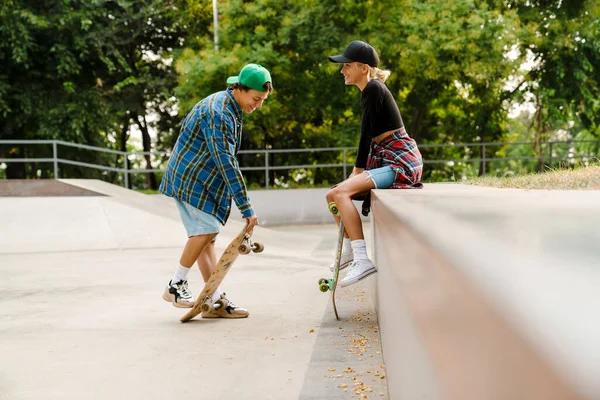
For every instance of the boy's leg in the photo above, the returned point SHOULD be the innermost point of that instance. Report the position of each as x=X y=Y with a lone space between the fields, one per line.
x=177 y=291
x=194 y=248
x=201 y=229
x=207 y=262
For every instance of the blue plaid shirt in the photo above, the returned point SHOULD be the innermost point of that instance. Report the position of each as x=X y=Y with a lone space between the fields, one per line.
x=203 y=170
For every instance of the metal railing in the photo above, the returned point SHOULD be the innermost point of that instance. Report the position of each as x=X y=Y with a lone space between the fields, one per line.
x=549 y=156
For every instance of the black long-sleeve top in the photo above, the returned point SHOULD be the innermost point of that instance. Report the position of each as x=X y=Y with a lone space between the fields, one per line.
x=380 y=114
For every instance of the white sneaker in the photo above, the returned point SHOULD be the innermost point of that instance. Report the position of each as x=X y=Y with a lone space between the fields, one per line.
x=345 y=260
x=179 y=295
x=358 y=270
x=227 y=310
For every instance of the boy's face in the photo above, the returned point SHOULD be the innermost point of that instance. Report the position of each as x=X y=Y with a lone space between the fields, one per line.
x=251 y=100
x=353 y=72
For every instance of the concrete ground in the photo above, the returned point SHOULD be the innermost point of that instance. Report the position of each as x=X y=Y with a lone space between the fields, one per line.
x=81 y=314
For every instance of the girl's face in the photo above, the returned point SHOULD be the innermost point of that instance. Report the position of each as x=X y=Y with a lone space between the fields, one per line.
x=353 y=73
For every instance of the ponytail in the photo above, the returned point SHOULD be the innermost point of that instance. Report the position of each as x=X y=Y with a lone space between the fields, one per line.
x=376 y=73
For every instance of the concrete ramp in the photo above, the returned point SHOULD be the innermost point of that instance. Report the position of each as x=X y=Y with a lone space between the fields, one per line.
x=283 y=242
x=81 y=313
x=57 y=224
x=42 y=187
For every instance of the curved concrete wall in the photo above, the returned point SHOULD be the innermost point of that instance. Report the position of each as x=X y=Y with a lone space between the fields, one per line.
x=465 y=312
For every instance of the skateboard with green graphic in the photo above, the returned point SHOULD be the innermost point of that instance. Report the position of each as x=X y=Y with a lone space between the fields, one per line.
x=330 y=284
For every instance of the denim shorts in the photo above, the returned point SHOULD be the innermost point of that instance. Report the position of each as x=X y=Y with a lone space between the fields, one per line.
x=382 y=177
x=197 y=222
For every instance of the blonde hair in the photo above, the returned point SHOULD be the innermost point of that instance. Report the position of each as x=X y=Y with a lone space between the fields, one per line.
x=376 y=73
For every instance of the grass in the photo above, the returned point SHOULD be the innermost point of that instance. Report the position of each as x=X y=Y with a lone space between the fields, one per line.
x=580 y=178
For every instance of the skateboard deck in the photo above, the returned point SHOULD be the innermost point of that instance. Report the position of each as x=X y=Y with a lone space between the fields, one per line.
x=241 y=244
x=331 y=283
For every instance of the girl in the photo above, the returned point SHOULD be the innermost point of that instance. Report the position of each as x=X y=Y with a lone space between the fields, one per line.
x=387 y=157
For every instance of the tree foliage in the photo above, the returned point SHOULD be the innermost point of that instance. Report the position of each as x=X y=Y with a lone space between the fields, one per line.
x=93 y=71
x=88 y=71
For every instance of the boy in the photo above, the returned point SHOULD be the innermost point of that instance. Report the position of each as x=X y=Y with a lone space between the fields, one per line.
x=203 y=176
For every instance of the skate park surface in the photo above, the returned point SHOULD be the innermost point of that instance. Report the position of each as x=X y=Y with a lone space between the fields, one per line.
x=481 y=294
x=81 y=313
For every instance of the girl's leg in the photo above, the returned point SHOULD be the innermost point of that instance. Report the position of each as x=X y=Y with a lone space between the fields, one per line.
x=329 y=198
x=342 y=196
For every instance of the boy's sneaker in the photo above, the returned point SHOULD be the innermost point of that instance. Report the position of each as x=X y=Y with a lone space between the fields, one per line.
x=227 y=310
x=358 y=270
x=179 y=295
x=345 y=260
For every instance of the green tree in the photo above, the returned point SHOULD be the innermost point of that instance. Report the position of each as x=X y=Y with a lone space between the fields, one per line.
x=49 y=60
x=87 y=71
x=447 y=59
x=562 y=41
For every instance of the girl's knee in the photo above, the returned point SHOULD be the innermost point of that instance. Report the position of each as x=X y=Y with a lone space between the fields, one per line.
x=339 y=195
x=330 y=196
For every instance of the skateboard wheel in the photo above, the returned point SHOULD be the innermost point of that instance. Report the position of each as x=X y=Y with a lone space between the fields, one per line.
x=333 y=208
x=258 y=247
x=206 y=307
x=323 y=287
x=322 y=280
x=219 y=304
x=244 y=248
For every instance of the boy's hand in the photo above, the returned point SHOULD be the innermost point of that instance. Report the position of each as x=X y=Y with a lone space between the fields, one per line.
x=251 y=222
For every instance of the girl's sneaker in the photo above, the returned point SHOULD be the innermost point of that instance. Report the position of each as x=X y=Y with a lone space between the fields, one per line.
x=358 y=270
x=345 y=260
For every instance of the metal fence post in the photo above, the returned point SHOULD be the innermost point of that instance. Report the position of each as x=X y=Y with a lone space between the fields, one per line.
x=483 y=158
x=550 y=154
x=55 y=158
x=345 y=164
x=266 y=170
x=126 y=172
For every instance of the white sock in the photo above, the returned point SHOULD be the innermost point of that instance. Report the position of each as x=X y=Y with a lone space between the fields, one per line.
x=181 y=274
x=359 y=248
x=346 y=246
x=217 y=294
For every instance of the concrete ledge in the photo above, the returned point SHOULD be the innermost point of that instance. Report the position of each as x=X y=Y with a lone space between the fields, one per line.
x=466 y=312
x=291 y=207
x=41 y=187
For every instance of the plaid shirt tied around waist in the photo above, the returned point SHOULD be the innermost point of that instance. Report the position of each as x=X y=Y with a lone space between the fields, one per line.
x=203 y=170
x=399 y=151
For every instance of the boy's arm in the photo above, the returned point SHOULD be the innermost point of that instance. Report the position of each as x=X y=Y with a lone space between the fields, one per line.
x=221 y=144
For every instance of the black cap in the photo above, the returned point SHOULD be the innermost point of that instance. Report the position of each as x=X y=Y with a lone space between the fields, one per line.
x=358 y=51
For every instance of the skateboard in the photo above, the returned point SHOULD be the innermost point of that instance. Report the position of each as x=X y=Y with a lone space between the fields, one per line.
x=241 y=244
x=331 y=283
